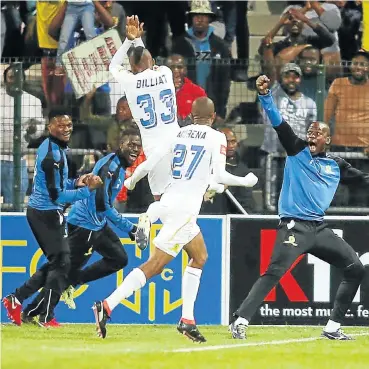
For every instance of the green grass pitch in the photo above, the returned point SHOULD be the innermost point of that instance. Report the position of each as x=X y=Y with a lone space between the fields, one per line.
x=157 y=347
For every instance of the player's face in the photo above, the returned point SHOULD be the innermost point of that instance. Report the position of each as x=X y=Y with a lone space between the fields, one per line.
x=61 y=127
x=178 y=67
x=308 y=61
x=317 y=138
x=130 y=148
x=200 y=22
x=360 y=68
x=290 y=82
x=123 y=111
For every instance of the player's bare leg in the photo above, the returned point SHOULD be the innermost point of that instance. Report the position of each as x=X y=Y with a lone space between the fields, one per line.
x=198 y=255
x=133 y=282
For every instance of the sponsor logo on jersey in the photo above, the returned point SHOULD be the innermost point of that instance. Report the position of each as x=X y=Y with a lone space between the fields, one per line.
x=223 y=149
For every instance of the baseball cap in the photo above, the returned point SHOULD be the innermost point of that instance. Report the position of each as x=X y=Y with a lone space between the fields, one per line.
x=291 y=67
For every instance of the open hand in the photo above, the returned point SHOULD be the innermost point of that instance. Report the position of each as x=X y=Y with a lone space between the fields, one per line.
x=297 y=14
x=262 y=85
x=133 y=28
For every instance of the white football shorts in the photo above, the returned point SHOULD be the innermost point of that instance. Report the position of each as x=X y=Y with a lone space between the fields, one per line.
x=177 y=231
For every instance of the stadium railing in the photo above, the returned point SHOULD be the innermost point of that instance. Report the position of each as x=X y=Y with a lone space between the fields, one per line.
x=243 y=117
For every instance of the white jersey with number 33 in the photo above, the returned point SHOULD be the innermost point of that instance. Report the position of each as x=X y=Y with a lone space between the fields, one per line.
x=152 y=100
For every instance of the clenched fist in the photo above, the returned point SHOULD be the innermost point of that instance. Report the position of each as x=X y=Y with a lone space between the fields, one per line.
x=262 y=85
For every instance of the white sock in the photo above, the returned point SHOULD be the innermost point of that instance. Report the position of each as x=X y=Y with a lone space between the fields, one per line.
x=332 y=326
x=153 y=211
x=133 y=282
x=242 y=321
x=190 y=287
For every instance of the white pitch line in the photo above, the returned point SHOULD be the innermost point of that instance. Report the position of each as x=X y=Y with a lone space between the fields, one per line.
x=253 y=344
x=114 y=350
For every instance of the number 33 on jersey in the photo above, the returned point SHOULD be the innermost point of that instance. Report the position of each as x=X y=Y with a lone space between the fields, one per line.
x=152 y=100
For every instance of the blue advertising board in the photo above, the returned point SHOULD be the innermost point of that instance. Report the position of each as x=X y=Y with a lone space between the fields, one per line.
x=158 y=302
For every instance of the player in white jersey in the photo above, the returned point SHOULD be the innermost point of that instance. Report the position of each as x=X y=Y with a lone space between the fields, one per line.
x=198 y=153
x=151 y=97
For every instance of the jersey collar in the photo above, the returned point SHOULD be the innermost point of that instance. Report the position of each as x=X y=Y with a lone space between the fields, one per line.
x=60 y=143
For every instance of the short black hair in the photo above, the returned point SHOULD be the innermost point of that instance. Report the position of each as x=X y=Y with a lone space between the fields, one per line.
x=136 y=52
x=310 y=48
x=131 y=131
x=58 y=111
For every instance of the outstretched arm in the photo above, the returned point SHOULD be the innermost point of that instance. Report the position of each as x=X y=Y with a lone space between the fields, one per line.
x=351 y=175
x=220 y=175
x=291 y=143
x=104 y=204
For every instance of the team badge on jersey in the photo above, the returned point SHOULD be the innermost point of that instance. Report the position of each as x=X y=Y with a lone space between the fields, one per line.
x=223 y=149
x=328 y=169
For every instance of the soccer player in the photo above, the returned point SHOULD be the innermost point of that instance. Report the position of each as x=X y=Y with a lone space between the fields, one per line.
x=196 y=152
x=151 y=97
x=311 y=177
x=88 y=230
x=51 y=191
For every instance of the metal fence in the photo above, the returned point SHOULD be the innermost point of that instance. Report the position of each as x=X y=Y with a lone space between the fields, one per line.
x=30 y=89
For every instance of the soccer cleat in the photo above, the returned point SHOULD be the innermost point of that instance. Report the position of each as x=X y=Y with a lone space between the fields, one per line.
x=338 y=335
x=13 y=309
x=101 y=317
x=190 y=330
x=143 y=231
x=26 y=319
x=68 y=297
x=238 y=331
x=50 y=324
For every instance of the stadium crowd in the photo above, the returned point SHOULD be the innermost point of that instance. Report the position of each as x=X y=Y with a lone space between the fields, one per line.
x=198 y=41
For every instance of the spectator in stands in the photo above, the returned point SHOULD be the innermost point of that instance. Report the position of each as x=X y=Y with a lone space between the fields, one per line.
x=294 y=20
x=296 y=108
x=236 y=24
x=327 y=14
x=76 y=11
x=100 y=127
x=349 y=33
x=46 y=11
x=156 y=16
x=347 y=105
x=122 y=119
x=347 y=109
x=101 y=103
x=32 y=126
x=221 y=203
x=118 y=14
x=186 y=91
x=13 y=39
x=206 y=49
x=308 y=60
